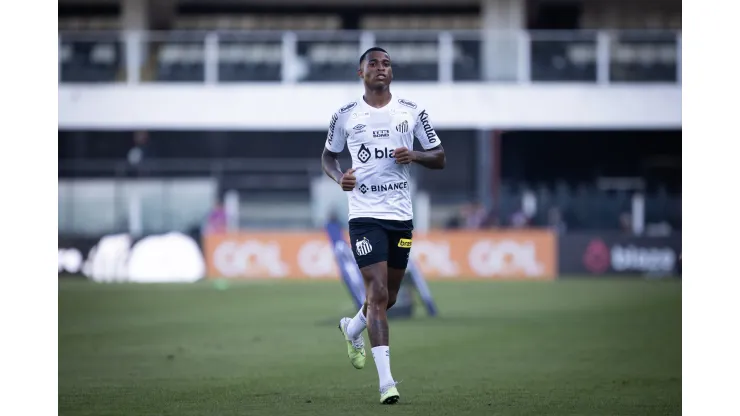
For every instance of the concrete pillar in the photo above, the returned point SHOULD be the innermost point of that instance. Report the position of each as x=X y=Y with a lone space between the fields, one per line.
x=502 y=22
x=484 y=168
x=135 y=14
x=135 y=20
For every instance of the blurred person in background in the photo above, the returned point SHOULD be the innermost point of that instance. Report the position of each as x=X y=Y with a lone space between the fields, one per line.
x=138 y=152
x=333 y=219
x=519 y=219
x=555 y=221
x=216 y=221
x=474 y=216
x=625 y=223
x=379 y=129
x=453 y=222
x=493 y=219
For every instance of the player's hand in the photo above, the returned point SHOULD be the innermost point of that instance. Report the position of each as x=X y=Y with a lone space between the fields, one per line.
x=348 y=180
x=403 y=156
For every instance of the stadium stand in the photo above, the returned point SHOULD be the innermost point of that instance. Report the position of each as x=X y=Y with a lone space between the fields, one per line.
x=597 y=41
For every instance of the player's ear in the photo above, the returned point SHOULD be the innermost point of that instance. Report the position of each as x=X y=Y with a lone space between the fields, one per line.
x=359 y=73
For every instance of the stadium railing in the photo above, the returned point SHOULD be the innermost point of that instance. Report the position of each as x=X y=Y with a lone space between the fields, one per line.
x=586 y=56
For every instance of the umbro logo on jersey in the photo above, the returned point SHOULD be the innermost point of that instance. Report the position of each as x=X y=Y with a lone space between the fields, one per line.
x=360 y=128
x=363 y=247
x=363 y=155
x=403 y=127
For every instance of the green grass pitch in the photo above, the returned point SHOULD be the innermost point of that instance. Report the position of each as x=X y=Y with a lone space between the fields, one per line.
x=576 y=347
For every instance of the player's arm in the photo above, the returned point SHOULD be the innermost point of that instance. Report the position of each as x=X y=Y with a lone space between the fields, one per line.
x=335 y=142
x=430 y=159
x=433 y=156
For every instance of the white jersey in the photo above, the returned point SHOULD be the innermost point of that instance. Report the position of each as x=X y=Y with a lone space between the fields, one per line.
x=371 y=134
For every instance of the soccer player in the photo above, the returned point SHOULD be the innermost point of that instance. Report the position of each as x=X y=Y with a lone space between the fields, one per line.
x=378 y=129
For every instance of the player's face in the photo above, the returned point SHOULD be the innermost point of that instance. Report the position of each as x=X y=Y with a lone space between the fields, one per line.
x=376 y=70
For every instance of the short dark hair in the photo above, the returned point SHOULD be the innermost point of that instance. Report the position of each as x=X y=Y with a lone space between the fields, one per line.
x=373 y=49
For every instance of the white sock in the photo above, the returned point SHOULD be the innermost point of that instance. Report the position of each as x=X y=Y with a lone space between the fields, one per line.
x=382 y=357
x=357 y=325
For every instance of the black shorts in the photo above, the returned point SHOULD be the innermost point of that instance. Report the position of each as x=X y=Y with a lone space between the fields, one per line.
x=375 y=240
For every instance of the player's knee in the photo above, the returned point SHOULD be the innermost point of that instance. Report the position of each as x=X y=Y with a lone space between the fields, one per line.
x=391 y=300
x=378 y=295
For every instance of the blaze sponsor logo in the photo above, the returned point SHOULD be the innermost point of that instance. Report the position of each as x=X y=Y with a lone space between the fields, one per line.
x=404 y=243
x=363 y=155
x=384 y=153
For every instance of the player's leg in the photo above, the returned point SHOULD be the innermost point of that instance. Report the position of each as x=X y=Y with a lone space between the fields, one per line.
x=399 y=250
x=395 y=278
x=396 y=269
x=359 y=229
x=359 y=322
x=369 y=246
x=376 y=278
x=376 y=295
